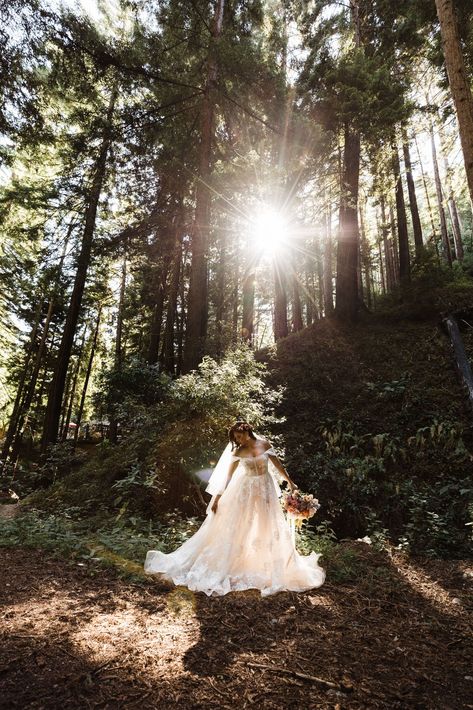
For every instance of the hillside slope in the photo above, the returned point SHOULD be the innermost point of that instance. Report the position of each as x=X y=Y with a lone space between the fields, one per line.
x=378 y=425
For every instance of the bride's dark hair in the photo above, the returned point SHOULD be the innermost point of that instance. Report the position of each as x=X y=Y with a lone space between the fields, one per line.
x=239 y=426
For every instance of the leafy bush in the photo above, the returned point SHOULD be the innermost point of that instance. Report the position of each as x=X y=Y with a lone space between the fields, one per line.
x=340 y=562
x=36 y=529
x=153 y=468
x=121 y=544
x=123 y=393
x=438 y=517
x=416 y=492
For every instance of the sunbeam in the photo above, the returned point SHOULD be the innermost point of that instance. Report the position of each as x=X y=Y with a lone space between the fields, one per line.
x=269 y=230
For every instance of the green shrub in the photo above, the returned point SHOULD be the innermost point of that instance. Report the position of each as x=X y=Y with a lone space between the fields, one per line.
x=168 y=439
x=121 y=543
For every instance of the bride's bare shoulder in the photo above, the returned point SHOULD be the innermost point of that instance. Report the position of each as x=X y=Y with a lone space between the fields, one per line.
x=267 y=444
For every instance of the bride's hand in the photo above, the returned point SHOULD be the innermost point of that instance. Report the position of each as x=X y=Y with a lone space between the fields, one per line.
x=214 y=506
x=293 y=486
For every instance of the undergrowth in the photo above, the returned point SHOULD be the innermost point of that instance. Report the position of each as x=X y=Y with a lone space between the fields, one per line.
x=122 y=543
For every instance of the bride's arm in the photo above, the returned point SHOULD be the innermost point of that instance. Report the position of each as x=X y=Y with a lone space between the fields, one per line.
x=282 y=470
x=231 y=469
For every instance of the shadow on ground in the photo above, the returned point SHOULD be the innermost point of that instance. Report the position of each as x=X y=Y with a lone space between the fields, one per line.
x=395 y=635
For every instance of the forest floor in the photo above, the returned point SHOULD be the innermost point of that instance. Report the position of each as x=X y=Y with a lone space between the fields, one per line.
x=77 y=635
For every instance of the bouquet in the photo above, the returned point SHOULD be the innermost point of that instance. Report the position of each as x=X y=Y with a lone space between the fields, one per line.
x=299 y=506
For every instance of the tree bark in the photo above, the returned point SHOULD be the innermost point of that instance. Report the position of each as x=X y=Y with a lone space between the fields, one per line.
x=248 y=301
x=24 y=412
x=14 y=424
x=113 y=427
x=328 y=276
x=348 y=237
x=87 y=375
x=438 y=188
x=414 y=209
x=297 y=322
x=68 y=410
x=403 y=237
x=456 y=228
x=280 y=300
x=320 y=277
x=235 y=301
x=53 y=409
x=310 y=309
x=180 y=319
x=452 y=207
x=459 y=82
x=365 y=257
x=387 y=246
x=394 y=243
x=197 y=308
x=427 y=196
x=220 y=303
x=167 y=354
x=381 y=268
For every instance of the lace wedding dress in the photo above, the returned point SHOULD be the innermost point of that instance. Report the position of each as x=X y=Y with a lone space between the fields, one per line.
x=246 y=544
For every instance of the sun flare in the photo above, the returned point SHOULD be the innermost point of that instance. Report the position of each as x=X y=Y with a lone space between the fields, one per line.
x=268 y=230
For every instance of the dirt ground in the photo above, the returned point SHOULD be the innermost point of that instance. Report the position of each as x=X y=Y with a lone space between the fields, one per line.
x=78 y=636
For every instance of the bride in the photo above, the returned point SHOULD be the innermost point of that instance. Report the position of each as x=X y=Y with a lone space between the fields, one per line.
x=245 y=541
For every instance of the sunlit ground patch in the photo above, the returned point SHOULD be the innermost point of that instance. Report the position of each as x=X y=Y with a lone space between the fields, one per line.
x=432 y=591
x=181 y=601
x=161 y=637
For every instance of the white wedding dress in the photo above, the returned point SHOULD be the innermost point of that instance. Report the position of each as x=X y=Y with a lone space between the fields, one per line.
x=246 y=544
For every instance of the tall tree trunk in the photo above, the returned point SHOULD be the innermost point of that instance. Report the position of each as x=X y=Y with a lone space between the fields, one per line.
x=427 y=196
x=49 y=348
x=87 y=375
x=394 y=243
x=167 y=355
x=162 y=260
x=365 y=256
x=248 y=300
x=297 y=323
x=438 y=188
x=452 y=207
x=403 y=237
x=120 y=317
x=459 y=82
x=328 y=276
x=14 y=424
x=416 y=225
x=64 y=430
x=180 y=319
x=310 y=310
x=118 y=360
x=53 y=409
x=235 y=300
x=320 y=276
x=280 y=300
x=381 y=268
x=220 y=303
x=30 y=391
x=197 y=304
x=348 y=237
x=156 y=324
x=26 y=404
x=456 y=228
x=65 y=399
x=387 y=246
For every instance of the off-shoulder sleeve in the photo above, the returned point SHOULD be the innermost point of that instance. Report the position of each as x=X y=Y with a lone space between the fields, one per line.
x=234 y=457
x=271 y=451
